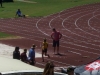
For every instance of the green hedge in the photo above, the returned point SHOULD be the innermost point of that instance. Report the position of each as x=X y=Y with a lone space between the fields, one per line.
x=7 y=0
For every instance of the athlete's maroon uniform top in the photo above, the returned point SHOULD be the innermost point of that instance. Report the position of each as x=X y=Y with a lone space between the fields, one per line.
x=56 y=36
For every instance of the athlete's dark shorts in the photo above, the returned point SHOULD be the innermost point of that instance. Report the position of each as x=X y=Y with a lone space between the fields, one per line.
x=55 y=43
x=45 y=50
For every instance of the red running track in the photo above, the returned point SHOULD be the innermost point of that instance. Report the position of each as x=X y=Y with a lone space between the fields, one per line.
x=79 y=26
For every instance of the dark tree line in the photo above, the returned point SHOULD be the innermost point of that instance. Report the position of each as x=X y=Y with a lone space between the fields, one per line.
x=7 y=0
x=1 y=1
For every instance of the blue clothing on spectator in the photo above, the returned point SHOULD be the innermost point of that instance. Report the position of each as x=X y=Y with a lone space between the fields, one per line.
x=31 y=54
x=19 y=13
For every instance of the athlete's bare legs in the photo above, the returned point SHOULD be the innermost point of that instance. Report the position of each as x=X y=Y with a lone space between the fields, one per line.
x=57 y=50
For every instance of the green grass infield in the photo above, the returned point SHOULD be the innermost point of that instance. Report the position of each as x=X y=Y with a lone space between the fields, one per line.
x=39 y=7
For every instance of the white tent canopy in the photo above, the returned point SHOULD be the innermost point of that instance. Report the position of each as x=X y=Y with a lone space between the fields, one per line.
x=12 y=65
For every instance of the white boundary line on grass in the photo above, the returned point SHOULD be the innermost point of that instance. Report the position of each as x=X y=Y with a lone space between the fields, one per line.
x=26 y=1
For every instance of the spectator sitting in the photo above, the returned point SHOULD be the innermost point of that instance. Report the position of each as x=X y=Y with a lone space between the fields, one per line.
x=49 y=69
x=24 y=56
x=19 y=13
x=16 y=53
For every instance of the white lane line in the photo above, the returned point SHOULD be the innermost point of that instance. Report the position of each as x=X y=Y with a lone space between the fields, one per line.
x=75 y=52
x=82 y=29
x=63 y=41
x=79 y=45
x=57 y=61
x=90 y=25
x=40 y=29
x=77 y=27
x=67 y=36
x=50 y=43
x=44 y=32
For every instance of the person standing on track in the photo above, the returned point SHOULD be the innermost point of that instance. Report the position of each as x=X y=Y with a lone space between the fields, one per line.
x=31 y=56
x=56 y=36
x=44 y=49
